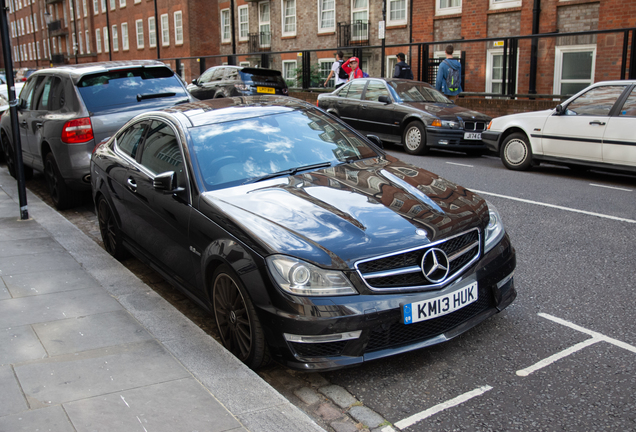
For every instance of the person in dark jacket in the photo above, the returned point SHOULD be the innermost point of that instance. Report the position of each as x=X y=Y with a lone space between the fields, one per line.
x=442 y=74
x=402 y=69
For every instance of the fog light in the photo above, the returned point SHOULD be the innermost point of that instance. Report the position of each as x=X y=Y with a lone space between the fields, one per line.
x=323 y=338
x=443 y=142
x=505 y=280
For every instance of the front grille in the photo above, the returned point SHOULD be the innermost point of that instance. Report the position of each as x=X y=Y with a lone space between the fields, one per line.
x=325 y=349
x=395 y=334
x=402 y=270
x=474 y=126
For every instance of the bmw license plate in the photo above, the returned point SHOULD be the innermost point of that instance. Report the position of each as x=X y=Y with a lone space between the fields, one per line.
x=267 y=90
x=472 y=135
x=439 y=306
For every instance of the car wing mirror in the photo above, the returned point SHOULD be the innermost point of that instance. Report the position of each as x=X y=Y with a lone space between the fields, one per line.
x=384 y=99
x=375 y=140
x=559 y=110
x=195 y=82
x=166 y=182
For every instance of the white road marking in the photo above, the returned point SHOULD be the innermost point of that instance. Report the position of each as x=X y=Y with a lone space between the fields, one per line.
x=555 y=206
x=122 y=398
x=409 y=421
x=458 y=164
x=558 y=356
x=611 y=187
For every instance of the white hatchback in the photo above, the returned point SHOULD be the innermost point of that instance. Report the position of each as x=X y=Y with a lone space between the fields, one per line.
x=594 y=128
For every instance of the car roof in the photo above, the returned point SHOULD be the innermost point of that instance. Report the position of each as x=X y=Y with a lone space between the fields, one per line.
x=221 y=110
x=79 y=70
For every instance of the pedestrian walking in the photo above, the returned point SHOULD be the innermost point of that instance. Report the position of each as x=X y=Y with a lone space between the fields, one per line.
x=449 y=76
x=402 y=69
x=339 y=74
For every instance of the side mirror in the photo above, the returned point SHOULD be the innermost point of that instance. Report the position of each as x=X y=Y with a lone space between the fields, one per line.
x=559 y=109
x=195 y=82
x=384 y=99
x=166 y=182
x=375 y=140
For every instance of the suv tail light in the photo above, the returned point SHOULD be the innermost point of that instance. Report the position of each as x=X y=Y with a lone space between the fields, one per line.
x=77 y=131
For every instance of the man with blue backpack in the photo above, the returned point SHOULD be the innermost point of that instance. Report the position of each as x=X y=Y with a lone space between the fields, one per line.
x=449 y=76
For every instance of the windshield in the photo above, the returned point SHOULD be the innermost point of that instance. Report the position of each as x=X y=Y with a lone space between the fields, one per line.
x=414 y=92
x=155 y=87
x=243 y=151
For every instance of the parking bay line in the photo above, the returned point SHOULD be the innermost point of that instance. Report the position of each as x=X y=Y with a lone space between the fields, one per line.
x=554 y=206
x=611 y=187
x=458 y=164
x=596 y=337
x=410 y=421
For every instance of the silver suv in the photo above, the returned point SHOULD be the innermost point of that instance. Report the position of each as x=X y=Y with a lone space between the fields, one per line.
x=64 y=112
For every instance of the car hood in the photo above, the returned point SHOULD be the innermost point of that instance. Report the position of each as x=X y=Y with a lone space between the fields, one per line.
x=448 y=112
x=336 y=216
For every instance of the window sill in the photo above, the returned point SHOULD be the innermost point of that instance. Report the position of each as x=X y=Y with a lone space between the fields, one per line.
x=288 y=37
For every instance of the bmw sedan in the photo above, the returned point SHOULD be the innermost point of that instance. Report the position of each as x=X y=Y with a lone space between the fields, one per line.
x=306 y=242
x=407 y=112
x=594 y=128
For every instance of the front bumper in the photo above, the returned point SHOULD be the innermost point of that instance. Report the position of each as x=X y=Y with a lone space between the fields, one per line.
x=343 y=331
x=452 y=139
x=491 y=140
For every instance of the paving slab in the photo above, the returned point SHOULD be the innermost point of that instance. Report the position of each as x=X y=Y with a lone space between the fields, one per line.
x=52 y=419
x=47 y=282
x=29 y=246
x=19 y=344
x=11 y=399
x=22 y=264
x=4 y=291
x=181 y=405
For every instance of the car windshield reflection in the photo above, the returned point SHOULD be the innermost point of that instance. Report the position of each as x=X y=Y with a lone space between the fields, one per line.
x=408 y=92
x=269 y=146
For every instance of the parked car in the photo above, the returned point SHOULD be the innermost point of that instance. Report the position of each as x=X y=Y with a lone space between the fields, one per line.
x=4 y=90
x=228 y=81
x=63 y=112
x=22 y=74
x=594 y=128
x=408 y=112
x=306 y=241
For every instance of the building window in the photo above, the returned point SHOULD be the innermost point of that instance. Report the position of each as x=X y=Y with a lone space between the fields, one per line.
x=165 y=30
x=178 y=28
x=289 y=17
x=139 y=24
x=503 y=4
x=494 y=71
x=326 y=16
x=113 y=4
x=263 y=25
x=87 y=36
x=244 y=64
x=396 y=15
x=85 y=7
x=98 y=40
x=244 y=23
x=448 y=7
x=106 y=40
x=81 y=45
x=124 y=37
x=391 y=61
x=225 y=25
x=95 y=7
x=122 y=4
x=103 y=6
x=573 y=68
x=115 y=38
x=360 y=20
x=325 y=68
x=152 y=32
x=289 y=72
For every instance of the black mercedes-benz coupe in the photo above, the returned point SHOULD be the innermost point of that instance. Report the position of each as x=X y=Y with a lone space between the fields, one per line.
x=306 y=242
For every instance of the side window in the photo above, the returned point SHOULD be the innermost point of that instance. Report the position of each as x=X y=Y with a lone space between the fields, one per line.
x=206 y=76
x=27 y=95
x=52 y=95
x=375 y=90
x=629 y=108
x=596 y=102
x=355 y=89
x=161 y=152
x=231 y=74
x=128 y=141
x=218 y=74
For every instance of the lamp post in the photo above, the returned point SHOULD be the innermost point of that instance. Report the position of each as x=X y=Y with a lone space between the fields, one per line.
x=47 y=19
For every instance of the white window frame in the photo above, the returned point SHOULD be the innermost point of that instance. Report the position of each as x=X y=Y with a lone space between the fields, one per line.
x=85 y=6
x=262 y=23
x=122 y=4
x=329 y=61
x=391 y=59
x=137 y=1
x=178 y=28
x=442 y=54
x=244 y=64
x=125 y=45
x=106 y=40
x=226 y=34
x=113 y=5
x=95 y=7
x=139 y=33
x=396 y=22
x=504 y=4
x=321 y=11
x=152 y=32
x=449 y=10
x=115 y=33
x=491 y=53
x=103 y=6
x=290 y=62
x=243 y=25
x=290 y=33
x=87 y=37
x=98 y=40
x=558 y=64
x=165 y=30
x=355 y=10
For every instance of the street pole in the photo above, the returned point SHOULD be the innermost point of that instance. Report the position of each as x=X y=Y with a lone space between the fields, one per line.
x=383 y=39
x=13 y=110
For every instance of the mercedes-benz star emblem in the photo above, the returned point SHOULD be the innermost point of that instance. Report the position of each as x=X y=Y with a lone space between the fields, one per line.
x=435 y=265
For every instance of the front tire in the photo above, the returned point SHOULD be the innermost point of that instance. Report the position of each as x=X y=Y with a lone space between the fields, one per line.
x=516 y=153
x=110 y=231
x=414 y=139
x=236 y=319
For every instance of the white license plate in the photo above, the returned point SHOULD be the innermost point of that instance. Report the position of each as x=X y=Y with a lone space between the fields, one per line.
x=472 y=135
x=439 y=306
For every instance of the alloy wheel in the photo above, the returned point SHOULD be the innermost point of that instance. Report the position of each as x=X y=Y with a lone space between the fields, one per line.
x=232 y=317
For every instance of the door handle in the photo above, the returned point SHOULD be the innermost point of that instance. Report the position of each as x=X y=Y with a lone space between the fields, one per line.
x=132 y=185
x=597 y=122
x=363 y=106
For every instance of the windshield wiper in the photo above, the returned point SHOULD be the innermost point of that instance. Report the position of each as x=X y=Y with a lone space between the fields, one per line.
x=290 y=171
x=141 y=97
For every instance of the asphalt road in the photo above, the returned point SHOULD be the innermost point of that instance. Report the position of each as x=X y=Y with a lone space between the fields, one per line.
x=561 y=357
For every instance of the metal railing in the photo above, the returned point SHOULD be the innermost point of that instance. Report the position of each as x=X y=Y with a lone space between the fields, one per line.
x=260 y=41
x=353 y=34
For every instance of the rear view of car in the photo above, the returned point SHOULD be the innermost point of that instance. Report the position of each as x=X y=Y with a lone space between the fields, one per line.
x=68 y=110
x=229 y=81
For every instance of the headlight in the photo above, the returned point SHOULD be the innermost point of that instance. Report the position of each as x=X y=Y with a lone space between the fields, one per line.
x=301 y=278
x=495 y=229
x=445 y=124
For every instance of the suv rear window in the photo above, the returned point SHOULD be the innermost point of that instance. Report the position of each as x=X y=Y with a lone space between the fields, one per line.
x=263 y=76
x=130 y=88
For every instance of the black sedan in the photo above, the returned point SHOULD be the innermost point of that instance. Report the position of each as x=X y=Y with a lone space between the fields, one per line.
x=407 y=112
x=307 y=242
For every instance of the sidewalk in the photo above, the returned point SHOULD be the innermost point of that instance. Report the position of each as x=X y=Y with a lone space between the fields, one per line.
x=86 y=346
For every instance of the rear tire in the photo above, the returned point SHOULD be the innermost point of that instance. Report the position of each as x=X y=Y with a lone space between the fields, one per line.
x=414 y=139
x=516 y=153
x=62 y=196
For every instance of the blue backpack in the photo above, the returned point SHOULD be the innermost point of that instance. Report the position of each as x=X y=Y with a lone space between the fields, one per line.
x=365 y=75
x=453 y=79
